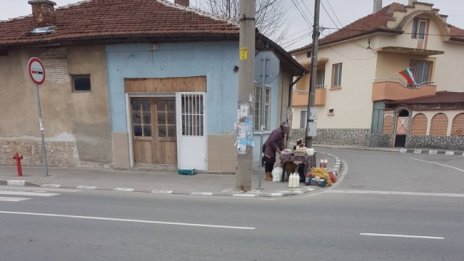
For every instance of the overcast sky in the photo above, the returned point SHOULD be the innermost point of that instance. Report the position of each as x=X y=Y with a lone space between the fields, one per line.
x=341 y=12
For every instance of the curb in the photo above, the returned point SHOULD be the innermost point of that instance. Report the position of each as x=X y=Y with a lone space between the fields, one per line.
x=250 y=194
x=403 y=150
x=433 y=152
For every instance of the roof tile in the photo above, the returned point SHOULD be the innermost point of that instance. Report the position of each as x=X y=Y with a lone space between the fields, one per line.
x=103 y=18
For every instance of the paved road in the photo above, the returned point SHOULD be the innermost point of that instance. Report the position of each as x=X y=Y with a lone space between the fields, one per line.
x=362 y=218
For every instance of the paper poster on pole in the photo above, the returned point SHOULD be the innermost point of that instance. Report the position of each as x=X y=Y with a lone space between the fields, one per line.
x=312 y=129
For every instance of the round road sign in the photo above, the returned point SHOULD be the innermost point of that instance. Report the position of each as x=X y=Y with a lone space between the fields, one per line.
x=36 y=70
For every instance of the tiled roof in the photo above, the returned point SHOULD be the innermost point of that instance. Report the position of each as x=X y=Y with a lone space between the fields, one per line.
x=443 y=97
x=376 y=22
x=456 y=33
x=366 y=25
x=109 y=20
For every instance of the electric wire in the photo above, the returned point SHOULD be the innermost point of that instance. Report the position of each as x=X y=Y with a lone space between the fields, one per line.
x=300 y=10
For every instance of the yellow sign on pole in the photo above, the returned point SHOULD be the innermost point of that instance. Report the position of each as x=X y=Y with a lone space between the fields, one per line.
x=243 y=54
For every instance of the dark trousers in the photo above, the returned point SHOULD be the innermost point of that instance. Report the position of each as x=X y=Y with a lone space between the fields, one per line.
x=268 y=163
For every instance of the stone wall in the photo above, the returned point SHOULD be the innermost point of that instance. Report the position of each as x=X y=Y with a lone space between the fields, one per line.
x=436 y=142
x=363 y=137
x=59 y=153
x=381 y=140
x=353 y=137
x=343 y=137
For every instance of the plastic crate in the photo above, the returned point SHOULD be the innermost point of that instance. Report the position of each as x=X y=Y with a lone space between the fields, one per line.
x=188 y=172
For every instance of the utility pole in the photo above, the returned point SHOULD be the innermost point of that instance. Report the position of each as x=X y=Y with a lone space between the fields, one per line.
x=312 y=84
x=245 y=94
x=228 y=9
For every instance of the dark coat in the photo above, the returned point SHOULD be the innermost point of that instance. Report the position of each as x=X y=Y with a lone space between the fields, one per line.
x=274 y=142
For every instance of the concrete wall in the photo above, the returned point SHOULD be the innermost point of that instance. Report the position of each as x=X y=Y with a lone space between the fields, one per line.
x=76 y=124
x=351 y=103
x=447 y=69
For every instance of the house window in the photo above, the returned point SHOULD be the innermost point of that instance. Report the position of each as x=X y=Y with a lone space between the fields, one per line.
x=141 y=117
x=419 y=27
x=320 y=78
x=303 y=115
x=422 y=71
x=81 y=83
x=337 y=75
x=166 y=117
x=267 y=108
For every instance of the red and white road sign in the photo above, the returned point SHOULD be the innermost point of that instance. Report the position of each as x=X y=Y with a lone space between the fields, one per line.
x=36 y=70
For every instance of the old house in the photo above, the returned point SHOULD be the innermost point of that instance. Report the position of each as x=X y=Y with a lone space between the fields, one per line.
x=140 y=83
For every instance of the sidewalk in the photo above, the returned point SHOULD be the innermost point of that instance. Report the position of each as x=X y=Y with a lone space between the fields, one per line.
x=170 y=182
x=163 y=182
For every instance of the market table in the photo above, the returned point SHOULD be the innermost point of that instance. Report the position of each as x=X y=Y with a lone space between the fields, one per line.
x=308 y=161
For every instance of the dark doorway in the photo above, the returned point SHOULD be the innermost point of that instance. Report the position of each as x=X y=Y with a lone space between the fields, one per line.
x=402 y=128
x=400 y=141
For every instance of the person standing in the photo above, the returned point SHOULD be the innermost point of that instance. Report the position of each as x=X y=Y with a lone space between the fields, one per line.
x=273 y=145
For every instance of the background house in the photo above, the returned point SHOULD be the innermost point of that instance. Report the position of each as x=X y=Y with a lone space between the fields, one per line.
x=358 y=74
x=142 y=83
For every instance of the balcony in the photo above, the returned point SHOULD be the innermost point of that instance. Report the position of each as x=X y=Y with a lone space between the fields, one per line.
x=301 y=99
x=388 y=90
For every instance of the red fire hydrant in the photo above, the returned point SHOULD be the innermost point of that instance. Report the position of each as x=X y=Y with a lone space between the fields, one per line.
x=18 y=157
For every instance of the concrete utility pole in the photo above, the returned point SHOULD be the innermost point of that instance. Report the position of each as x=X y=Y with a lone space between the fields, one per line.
x=312 y=83
x=245 y=92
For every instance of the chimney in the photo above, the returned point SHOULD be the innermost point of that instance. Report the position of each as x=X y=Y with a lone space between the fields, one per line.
x=43 y=12
x=377 y=6
x=185 y=3
x=411 y=2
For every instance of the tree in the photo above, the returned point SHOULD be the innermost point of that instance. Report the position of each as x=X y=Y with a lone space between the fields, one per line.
x=269 y=15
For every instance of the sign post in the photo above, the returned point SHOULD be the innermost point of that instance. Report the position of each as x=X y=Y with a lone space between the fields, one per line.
x=37 y=73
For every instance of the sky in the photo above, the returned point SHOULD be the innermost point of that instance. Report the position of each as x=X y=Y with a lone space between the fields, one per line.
x=342 y=12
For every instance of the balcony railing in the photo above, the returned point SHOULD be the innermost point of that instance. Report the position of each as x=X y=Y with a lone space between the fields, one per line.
x=300 y=98
x=389 y=90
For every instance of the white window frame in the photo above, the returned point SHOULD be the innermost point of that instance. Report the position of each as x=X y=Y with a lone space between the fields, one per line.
x=267 y=108
x=303 y=118
x=337 y=75
x=422 y=71
x=320 y=78
x=419 y=29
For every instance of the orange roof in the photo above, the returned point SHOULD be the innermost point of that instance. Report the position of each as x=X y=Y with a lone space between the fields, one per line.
x=108 y=20
x=443 y=97
x=373 y=23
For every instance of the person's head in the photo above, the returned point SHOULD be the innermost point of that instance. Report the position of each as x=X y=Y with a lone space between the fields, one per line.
x=284 y=126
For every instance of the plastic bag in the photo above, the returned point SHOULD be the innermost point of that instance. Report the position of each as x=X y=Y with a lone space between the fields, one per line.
x=277 y=174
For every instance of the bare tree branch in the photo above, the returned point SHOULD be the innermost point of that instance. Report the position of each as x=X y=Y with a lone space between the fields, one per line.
x=270 y=15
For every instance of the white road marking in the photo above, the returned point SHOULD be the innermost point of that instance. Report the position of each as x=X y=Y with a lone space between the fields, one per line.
x=10 y=199
x=37 y=189
x=396 y=193
x=439 y=164
x=86 y=187
x=400 y=236
x=124 y=189
x=29 y=194
x=126 y=220
x=244 y=195
x=201 y=193
x=51 y=185
x=16 y=182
